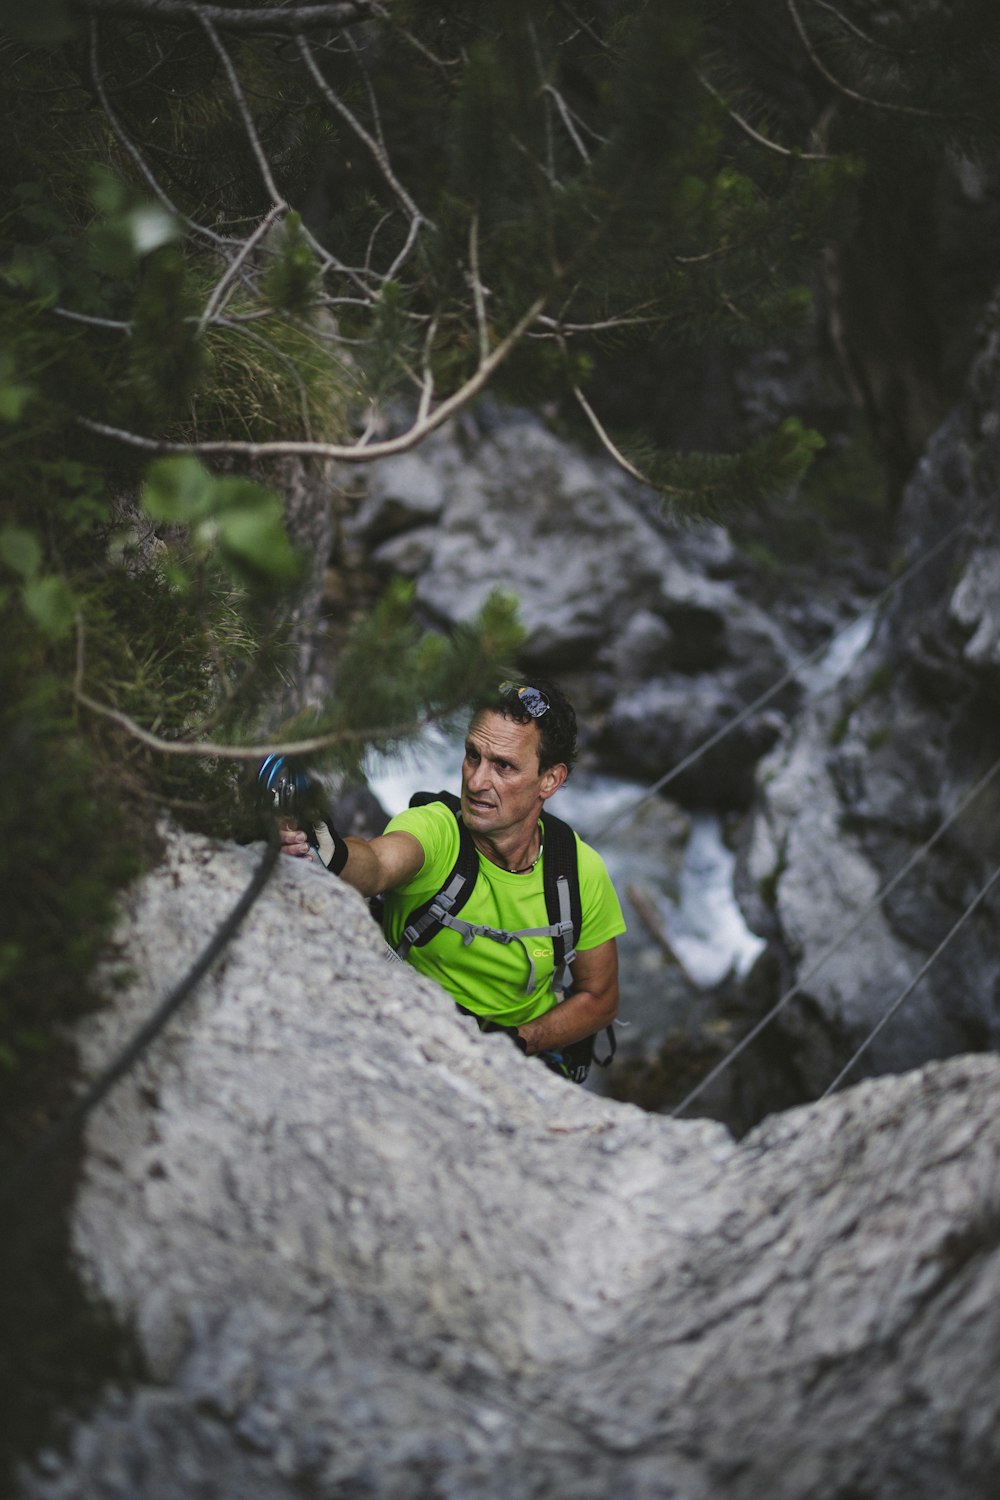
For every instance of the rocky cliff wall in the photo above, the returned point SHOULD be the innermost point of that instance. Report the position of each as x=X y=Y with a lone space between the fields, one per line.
x=872 y=772
x=367 y=1251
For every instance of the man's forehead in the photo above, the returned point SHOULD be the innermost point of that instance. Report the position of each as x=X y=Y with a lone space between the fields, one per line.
x=494 y=734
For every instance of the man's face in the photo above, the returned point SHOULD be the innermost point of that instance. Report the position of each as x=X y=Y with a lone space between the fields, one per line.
x=502 y=784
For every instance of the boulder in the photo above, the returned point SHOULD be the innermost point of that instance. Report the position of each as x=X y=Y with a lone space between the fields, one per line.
x=366 y=1250
x=665 y=644
x=496 y=500
x=653 y=728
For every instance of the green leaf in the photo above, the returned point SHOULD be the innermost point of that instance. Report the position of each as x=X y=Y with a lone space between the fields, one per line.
x=233 y=492
x=52 y=604
x=13 y=400
x=243 y=518
x=20 y=550
x=255 y=535
x=13 y=395
x=178 y=489
x=130 y=229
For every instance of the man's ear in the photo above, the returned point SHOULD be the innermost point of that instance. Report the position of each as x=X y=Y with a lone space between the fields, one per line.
x=552 y=779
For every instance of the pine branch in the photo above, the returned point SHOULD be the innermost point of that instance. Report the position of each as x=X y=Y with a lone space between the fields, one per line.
x=885 y=105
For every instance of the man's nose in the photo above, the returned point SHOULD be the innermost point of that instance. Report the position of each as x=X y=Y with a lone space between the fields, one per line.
x=477 y=776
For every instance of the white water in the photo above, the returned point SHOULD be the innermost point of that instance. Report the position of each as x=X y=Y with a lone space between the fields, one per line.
x=839 y=657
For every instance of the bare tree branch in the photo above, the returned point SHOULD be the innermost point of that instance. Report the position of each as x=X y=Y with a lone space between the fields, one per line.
x=427 y=384
x=215 y=302
x=567 y=119
x=277 y=197
x=376 y=148
x=477 y=288
x=616 y=452
x=133 y=151
x=289 y=18
x=346 y=453
x=842 y=88
x=442 y=64
x=209 y=750
x=755 y=135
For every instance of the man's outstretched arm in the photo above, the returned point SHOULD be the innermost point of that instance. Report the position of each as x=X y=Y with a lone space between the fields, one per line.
x=373 y=865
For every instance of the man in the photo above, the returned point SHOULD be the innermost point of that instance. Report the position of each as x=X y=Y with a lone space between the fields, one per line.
x=519 y=750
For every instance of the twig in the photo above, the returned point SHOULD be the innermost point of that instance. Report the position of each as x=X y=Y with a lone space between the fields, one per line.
x=411 y=239
x=375 y=147
x=289 y=18
x=849 y=93
x=215 y=302
x=90 y=320
x=277 y=198
x=567 y=120
x=477 y=288
x=618 y=455
x=755 y=135
x=133 y=151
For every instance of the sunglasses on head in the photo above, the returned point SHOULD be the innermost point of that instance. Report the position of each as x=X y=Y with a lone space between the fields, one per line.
x=531 y=700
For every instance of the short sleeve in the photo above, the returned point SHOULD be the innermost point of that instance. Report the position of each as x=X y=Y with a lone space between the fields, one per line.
x=601 y=912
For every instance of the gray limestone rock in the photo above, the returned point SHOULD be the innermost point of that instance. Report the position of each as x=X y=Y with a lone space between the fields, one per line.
x=503 y=503
x=367 y=1251
x=879 y=768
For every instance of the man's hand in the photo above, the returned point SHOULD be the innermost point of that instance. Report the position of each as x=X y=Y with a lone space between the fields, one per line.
x=293 y=840
x=373 y=864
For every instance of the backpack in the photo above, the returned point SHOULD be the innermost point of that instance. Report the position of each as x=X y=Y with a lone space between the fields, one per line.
x=561 y=884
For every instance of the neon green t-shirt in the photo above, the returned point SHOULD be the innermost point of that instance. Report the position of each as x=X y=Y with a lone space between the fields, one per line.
x=485 y=976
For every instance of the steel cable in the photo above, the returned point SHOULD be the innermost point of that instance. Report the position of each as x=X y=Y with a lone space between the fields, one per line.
x=65 y=1128
x=908 y=991
x=839 y=940
x=764 y=698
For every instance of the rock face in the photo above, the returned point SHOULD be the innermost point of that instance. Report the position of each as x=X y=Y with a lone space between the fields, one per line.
x=650 y=617
x=878 y=769
x=367 y=1251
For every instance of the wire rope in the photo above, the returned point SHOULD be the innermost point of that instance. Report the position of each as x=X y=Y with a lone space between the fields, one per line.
x=66 y=1127
x=905 y=994
x=839 y=940
x=627 y=813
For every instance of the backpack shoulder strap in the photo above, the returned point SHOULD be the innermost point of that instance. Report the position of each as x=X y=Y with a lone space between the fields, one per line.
x=562 y=893
x=426 y=920
x=562 y=890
